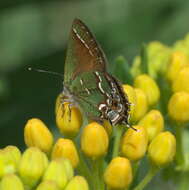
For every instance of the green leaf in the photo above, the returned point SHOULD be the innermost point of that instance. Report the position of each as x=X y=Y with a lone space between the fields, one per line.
x=121 y=70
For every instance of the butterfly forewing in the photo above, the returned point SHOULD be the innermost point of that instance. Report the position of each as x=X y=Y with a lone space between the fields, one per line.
x=83 y=54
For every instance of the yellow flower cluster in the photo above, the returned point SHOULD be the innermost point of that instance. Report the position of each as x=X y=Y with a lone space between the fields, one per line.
x=148 y=135
x=178 y=75
x=33 y=170
x=106 y=156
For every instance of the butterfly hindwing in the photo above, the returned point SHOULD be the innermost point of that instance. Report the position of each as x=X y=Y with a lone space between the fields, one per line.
x=89 y=94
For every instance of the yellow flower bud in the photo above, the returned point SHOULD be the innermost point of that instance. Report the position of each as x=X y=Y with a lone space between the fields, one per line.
x=162 y=149
x=181 y=82
x=130 y=93
x=32 y=166
x=181 y=46
x=108 y=127
x=134 y=143
x=94 y=140
x=10 y=182
x=158 y=56
x=68 y=168
x=178 y=107
x=69 y=120
x=77 y=183
x=149 y=86
x=118 y=174
x=9 y=158
x=48 y=185
x=177 y=61
x=65 y=148
x=141 y=106
x=37 y=134
x=56 y=172
x=153 y=122
x=3 y=164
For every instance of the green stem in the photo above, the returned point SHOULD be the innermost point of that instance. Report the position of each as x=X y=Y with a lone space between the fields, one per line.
x=96 y=173
x=101 y=172
x=82 y=168
x=151 y=173
x=119 y=131
x=180 y=160
x=135 y=167
x=183 y=182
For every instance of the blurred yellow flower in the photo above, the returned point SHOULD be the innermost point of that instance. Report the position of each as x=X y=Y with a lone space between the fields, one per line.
x=178 y=59
x=134 y=143
x=65 y=148
x=11 y=182
x=56 y=172
x=77 y=183
x=94 y=140
x=68 y=168
x=68 y=120
x=37 y=134
x=32 y=166
x=162 y=149
x=118 y=174
x=149 y=86
x=181 y=81
x=178 y=107
x=9 y=159
x=159 y=55
x=153 y=122
x=47 y=185
x=141 y=106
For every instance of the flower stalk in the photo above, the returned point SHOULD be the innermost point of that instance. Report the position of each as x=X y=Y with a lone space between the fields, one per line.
x=118 y=133
x=150 y=174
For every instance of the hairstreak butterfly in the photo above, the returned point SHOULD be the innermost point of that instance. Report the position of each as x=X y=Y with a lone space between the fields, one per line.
x=87 y=82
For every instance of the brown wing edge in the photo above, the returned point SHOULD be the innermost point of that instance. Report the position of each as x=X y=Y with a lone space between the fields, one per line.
x=91 y=43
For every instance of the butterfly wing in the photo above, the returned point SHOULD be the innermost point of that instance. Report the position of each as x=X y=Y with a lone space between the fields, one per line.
x=90 y=93
x=98 y=94
x=83 y=53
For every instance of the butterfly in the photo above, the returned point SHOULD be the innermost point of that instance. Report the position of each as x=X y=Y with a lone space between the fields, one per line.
x=87 y=83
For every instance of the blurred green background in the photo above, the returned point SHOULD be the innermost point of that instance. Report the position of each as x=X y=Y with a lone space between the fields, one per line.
x=35 y=33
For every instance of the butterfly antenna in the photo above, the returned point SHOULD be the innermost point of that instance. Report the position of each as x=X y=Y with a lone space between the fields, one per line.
x=129 y=126
x=44 y=71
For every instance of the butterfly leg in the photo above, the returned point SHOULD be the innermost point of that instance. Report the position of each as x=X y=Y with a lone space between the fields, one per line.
x=70 y=105
x=70 y=102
